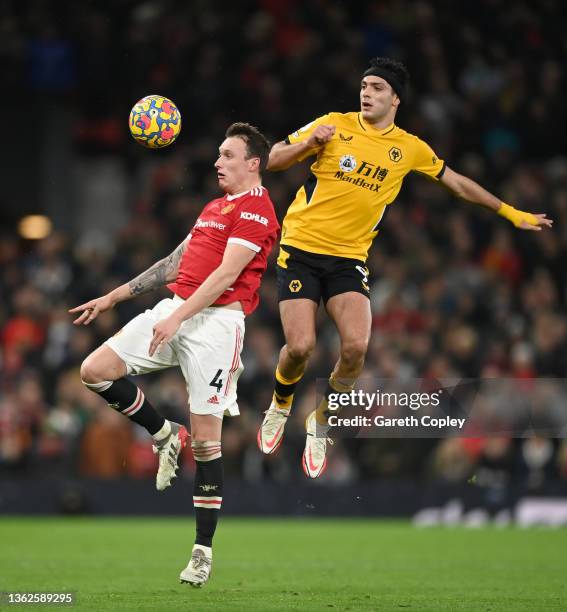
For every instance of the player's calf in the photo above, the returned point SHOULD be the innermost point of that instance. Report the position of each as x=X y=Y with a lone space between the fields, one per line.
x=169 y=438
x=125 y=397
x=207 y=501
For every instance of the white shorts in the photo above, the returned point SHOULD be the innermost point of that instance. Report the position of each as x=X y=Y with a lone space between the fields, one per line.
x=207 y=347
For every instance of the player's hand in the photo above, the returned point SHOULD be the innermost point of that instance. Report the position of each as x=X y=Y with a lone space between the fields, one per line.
x=321 y=135
x=164 y=331
x=542 y=221
x=90 y=310
x=524 y=220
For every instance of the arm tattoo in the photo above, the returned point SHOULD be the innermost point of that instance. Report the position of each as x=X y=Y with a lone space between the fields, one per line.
x=159 y=274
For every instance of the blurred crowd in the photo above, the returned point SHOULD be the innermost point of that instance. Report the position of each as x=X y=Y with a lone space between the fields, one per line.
x=456 y=290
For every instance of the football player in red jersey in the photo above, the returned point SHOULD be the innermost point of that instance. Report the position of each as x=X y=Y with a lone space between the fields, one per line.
x=214 y=275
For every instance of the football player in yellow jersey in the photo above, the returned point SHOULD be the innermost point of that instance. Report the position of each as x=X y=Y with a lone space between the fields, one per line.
x=361 y=161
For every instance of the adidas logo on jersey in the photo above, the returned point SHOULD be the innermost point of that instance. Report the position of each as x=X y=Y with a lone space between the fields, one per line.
x=254 y=217
x=213 y=400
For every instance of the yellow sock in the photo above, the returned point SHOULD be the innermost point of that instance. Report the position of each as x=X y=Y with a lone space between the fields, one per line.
x=333 y=386
x=284 y=389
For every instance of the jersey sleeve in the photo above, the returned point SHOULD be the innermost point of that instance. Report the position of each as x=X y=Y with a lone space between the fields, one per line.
x=426 y=162
x=303 y=133
x=256 y=223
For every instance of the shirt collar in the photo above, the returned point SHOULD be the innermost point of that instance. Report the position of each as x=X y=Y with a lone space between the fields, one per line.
x=234 y=196
x=368 y=128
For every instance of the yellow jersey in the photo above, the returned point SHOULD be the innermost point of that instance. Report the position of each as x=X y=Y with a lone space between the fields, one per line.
x=355 y=176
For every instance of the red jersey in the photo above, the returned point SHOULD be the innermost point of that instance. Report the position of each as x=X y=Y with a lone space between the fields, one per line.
x=245 y=218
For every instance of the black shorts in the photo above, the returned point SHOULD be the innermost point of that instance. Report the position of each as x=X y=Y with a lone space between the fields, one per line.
x=314 y=276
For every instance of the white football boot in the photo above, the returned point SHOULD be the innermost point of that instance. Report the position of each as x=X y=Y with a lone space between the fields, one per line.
x=270 y=434
x=314 y=456
x=198 y=571
x=168 y=451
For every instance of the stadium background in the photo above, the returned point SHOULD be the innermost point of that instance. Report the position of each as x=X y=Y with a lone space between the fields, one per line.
x=455 y=290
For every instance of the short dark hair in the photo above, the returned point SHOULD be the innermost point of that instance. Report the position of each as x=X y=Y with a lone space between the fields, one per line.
x=257 y=145
x=392 y=71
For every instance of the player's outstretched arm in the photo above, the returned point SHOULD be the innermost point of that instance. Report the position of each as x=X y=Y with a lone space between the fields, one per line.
x=284 y=155
x=161 y=273
x=235 y=259
x=467 y=189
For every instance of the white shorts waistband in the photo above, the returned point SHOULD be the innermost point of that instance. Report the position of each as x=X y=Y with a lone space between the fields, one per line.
x=219 y=311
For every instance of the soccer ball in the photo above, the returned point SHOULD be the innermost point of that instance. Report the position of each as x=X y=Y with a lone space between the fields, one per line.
x=155 y=122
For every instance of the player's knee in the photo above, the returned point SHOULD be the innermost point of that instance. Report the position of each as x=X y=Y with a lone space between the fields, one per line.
x=91 y=371
x=206 y=450
x=354 y=350
x=300 y=349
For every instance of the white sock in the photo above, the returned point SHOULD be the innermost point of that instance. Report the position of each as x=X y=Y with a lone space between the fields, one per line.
x=163 y=432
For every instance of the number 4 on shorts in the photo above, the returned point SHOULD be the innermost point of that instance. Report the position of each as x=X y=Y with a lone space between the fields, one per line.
x=217 y=381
